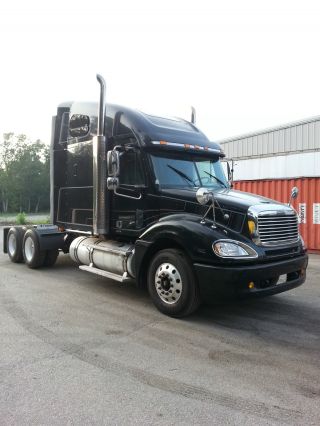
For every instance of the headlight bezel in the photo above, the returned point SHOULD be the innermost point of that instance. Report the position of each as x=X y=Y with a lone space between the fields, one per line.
x=250 y=252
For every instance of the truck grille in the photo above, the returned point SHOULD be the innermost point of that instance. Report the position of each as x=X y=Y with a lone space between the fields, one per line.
x=278 y=229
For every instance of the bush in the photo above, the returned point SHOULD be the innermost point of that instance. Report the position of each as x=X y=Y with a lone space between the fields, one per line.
x=21 y=219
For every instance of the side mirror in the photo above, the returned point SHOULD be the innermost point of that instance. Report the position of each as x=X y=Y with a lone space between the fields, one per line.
x=112 y=183
x=230 y=172
x=113 y=163
x=79 y=125
x=294 y=194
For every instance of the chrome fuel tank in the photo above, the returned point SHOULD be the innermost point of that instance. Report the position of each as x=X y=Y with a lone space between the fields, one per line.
x=112 y=256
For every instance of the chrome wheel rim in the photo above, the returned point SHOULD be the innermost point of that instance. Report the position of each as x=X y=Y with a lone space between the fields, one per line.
x=12 y=244
x=168 y=283
x=29 y=249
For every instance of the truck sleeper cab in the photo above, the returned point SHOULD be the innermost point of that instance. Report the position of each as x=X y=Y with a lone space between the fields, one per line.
x=144 y=198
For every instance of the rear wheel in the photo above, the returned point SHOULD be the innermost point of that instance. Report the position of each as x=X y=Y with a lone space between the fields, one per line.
x=14 y=244
x=33 y=257
x=172 y=284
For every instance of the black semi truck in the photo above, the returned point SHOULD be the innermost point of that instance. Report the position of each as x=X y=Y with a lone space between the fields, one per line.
x=141 y=198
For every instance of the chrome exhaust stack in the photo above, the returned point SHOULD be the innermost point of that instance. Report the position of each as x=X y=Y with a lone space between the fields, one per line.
x=102 y=105
x=100 y=222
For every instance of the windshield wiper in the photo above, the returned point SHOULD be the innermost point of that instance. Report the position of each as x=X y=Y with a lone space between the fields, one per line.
x=180 y=173
x=217 y=179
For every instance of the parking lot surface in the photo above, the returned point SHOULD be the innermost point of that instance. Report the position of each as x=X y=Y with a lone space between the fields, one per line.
x=79 y=349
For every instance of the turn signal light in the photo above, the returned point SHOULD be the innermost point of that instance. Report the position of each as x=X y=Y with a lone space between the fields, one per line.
x=251 y=226
x=251 y=285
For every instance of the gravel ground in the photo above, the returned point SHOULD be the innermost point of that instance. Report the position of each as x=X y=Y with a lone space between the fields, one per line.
x=80 y=349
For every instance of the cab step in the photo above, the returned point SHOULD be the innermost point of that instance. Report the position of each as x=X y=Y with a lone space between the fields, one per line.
x=120 y=278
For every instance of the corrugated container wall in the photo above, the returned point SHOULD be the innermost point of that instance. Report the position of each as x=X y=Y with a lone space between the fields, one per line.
x=272 y=161
x=307 y=204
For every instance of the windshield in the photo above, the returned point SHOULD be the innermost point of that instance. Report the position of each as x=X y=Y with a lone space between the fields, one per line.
x=176 y=171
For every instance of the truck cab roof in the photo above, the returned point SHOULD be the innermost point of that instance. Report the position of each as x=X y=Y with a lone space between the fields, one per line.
x=152 y=131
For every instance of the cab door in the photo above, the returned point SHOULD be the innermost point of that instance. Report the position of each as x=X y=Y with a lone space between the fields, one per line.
x=134 y=207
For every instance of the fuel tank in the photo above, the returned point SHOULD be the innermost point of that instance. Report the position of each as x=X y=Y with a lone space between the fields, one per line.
x=112 y=256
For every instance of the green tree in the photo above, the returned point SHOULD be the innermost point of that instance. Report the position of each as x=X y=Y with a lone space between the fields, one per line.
x=24 y=174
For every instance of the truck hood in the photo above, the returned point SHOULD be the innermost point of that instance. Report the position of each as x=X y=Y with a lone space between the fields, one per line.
x=228 y=198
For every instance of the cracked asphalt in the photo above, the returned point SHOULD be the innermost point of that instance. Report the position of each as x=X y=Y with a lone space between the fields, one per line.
x=80 y=349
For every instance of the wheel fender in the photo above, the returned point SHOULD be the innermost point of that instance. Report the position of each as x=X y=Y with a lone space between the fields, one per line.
x=194 y=238
x=50 y=238
x=5 y=237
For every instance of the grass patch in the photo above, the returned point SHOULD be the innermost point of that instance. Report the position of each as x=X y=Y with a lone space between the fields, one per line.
x=40 y=221
x=21 y=218
x=24 y=219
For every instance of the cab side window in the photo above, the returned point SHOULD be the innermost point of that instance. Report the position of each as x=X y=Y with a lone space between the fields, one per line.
x=131 y=168
x=131 y=171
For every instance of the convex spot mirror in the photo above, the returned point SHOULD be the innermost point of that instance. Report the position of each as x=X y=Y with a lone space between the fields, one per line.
x=294 y=192
x=113 y=163
x=203 y=196
x=79 y=125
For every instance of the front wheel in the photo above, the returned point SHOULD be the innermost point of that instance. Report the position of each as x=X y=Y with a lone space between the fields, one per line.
x=172 y=285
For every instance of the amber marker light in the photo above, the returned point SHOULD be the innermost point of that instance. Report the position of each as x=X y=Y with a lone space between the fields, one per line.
x=251 y=285
x=251 y=226
x=163 y=142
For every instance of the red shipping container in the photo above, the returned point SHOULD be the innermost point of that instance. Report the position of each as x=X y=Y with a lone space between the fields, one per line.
x=307 y=204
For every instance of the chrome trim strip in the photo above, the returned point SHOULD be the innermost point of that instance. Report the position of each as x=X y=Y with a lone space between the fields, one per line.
x=187 y=146
x=76 y=231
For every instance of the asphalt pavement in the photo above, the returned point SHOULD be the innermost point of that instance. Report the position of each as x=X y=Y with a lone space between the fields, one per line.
x=77 y=349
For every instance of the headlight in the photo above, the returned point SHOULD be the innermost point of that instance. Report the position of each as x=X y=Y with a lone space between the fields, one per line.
x=233 y=249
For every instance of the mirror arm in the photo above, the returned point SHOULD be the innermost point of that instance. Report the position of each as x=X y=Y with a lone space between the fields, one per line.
x=202 y=221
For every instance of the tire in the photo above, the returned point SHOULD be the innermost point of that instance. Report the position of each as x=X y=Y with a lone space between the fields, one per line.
x=172 y=285
x=14 y=244
x=51 y=257
x=33 y=257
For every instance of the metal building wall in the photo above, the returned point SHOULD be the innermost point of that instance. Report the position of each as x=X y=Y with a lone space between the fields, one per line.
x=307 y=204
x=301 y=164
x=294 y=137
x=270 y=162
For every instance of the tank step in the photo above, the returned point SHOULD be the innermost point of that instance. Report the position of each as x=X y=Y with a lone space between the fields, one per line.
x=120 y=278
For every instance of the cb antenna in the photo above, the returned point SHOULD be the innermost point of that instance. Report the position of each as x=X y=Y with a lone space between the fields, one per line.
x=193 y=115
